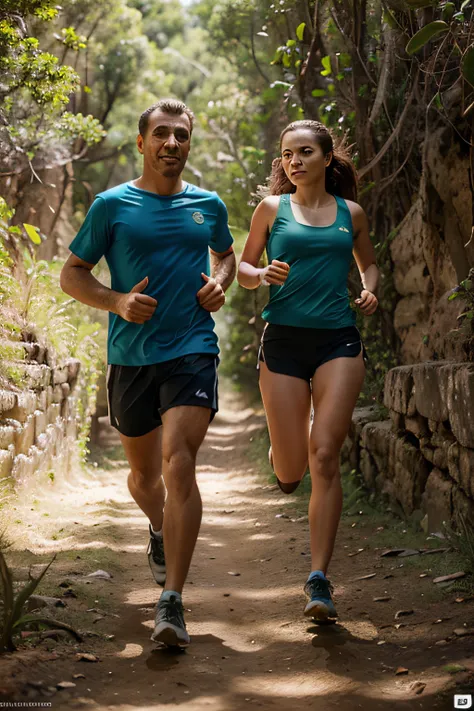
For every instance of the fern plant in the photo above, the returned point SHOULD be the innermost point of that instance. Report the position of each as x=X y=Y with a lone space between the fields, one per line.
x=462 y=540
x=13 y=617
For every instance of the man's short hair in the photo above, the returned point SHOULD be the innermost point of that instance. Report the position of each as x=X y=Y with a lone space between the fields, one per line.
x=168 y=106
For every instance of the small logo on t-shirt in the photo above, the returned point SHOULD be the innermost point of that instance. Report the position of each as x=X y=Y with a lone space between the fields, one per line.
x=198 y=218
x=343 y=229
x=200 y=393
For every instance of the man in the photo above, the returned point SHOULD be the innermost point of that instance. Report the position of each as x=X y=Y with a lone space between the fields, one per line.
x=155 y=233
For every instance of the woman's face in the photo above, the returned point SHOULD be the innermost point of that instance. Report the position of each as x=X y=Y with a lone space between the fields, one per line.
x=302 y=157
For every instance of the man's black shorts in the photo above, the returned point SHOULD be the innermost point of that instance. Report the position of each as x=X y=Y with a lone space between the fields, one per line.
x=139 y=395
x=296 y=351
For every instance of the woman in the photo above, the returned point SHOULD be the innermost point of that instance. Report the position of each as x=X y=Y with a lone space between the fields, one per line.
x=311 y=351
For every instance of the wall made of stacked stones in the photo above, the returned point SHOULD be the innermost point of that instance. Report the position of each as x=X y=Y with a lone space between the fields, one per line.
x=423 y=456
x=38 y=420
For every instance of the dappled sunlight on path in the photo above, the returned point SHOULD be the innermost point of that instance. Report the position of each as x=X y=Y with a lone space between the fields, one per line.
x=251 y=646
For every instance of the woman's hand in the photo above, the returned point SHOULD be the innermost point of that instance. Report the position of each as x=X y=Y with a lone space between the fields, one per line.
x=367 y=302
x=276 y=273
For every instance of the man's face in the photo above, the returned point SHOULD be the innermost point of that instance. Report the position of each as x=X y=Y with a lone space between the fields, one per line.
x=166 y=143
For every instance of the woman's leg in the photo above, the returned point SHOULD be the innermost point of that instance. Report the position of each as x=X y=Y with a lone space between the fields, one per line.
x=287 y=403
x=336 y=387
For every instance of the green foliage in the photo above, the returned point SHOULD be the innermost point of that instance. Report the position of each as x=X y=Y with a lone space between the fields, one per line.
x=452 y=23
x=90 y=353
x=11 y=349
x=240 y=342
x=31 y=299
x=25 y=66
x=72 y=40
x=467 y=65
x=427 y=33
x=36 y=88
x=74 y=126
x=13 y=619
x=326 y=63
x=33 y=233
x=465 y=291
x=162 y=20
x=462 y=540
x=243 y=67
x=67 y=326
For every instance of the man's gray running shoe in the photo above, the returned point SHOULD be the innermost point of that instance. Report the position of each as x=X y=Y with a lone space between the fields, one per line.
x=169 y=623
x=156 y=558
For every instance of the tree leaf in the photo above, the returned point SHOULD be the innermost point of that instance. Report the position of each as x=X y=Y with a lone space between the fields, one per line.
x=326 y=62
x=390 y=19
x=32 y=233
x=318 y=92
x=278 y=55
x=427 y=33
x=28 y=589
x=448 y=10
x=300 y=30
x=467 y=65
x=465 y=4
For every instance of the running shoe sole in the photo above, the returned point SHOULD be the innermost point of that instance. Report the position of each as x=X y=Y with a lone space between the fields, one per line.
x=170 y=635
x=318 y=611
x=158 y=571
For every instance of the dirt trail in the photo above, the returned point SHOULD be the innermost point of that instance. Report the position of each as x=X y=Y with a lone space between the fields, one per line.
x=251 y=646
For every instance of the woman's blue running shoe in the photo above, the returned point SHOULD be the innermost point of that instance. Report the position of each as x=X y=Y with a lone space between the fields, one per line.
x=320 y=605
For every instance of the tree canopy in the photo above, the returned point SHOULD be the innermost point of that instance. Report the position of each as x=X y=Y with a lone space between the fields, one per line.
x=380 y=73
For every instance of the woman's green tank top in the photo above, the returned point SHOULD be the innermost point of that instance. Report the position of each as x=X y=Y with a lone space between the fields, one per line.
x=315 y=295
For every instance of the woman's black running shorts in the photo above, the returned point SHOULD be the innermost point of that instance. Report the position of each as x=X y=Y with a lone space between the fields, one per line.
x=291 y=350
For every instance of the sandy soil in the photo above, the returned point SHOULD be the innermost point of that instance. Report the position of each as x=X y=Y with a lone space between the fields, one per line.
x=251 y=646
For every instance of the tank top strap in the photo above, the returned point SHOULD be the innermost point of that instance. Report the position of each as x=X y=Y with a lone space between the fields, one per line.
x=284 y=205
x=283 y=213
x=344 y=217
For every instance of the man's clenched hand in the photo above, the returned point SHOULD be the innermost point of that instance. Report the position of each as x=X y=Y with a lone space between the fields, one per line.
x=211 y=297
x=136 y=307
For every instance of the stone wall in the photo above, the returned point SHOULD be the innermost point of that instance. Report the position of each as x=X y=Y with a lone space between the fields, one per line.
x=422 y=458
x=433 y=251
x=38 y=420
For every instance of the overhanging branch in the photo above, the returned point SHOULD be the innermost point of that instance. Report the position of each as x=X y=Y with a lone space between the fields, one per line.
x=376 y=159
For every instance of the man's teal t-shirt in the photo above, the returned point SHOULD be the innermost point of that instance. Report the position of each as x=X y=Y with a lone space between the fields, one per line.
x=167 y=239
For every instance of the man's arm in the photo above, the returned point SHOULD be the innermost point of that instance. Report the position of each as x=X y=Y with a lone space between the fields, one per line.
x=212 y=295
x=223 y=267
x=77 y=280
